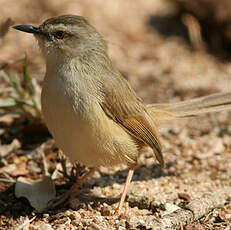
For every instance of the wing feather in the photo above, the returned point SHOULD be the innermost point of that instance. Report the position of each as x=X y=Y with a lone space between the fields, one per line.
x=121 y=104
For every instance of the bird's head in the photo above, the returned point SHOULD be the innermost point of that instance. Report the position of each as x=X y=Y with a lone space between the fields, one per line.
x=66 y=35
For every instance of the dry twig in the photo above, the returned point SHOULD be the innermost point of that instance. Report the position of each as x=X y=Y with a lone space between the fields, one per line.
x=193 y=211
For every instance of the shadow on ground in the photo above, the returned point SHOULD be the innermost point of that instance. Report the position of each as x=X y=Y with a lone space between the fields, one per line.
x=16 y=207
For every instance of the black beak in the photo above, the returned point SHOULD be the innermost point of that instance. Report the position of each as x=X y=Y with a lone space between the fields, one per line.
x=29 y=29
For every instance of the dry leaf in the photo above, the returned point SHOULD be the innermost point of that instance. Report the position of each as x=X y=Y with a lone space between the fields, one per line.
x=170 y=208
x=38 y=192
x=57 y=173
x=6 y=149
x=8 y=118
x=24 y=223
x=15 y=169
x=8 y=168
x=19 y=170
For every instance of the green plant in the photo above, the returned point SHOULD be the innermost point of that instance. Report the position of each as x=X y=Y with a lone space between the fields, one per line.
x=23 y=94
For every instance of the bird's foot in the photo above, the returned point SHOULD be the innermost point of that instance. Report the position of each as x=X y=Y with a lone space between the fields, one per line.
x=70 y=194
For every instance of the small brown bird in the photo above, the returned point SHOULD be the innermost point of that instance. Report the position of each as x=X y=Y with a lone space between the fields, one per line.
x=92 y=112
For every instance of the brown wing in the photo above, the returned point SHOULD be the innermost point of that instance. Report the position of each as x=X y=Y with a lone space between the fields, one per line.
x=123 y=106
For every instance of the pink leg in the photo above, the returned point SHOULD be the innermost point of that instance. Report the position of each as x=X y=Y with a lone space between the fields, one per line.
x=123 y=195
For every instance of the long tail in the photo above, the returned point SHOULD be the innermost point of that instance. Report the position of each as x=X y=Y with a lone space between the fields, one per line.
x=163 y=113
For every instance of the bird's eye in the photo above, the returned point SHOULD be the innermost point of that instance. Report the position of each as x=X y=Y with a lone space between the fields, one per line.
x=59 y=34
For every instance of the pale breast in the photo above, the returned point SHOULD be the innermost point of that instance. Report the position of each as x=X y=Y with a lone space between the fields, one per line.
x=81 y=128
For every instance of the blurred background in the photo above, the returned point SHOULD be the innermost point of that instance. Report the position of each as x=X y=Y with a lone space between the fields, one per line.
x=169 y=50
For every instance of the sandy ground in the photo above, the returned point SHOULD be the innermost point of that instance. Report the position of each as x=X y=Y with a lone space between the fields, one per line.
x=161 y=68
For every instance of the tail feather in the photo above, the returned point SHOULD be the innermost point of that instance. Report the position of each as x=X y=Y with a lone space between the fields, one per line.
x=162 y=113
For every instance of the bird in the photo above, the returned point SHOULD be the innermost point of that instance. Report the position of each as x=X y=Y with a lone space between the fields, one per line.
x=92 y=112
